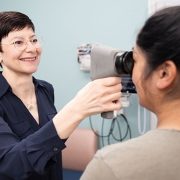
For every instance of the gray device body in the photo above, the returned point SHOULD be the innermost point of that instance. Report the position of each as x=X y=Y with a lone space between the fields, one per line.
x=103 y=64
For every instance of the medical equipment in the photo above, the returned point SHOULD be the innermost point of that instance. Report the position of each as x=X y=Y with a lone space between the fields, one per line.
x=103 y=61
x=106 y=62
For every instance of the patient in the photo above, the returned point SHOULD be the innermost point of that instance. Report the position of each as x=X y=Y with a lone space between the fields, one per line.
x=156 y=75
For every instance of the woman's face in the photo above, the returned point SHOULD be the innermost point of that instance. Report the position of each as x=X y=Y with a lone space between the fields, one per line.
x=144 y=85
x=21 y=52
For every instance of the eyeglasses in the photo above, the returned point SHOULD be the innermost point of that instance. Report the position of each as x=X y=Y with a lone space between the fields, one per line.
x=21 y=45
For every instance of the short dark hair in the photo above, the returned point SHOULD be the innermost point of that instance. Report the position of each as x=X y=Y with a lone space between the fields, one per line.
x=159 y=38
x=12 y=20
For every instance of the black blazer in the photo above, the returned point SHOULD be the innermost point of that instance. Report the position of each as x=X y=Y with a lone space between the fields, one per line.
x=29 y=150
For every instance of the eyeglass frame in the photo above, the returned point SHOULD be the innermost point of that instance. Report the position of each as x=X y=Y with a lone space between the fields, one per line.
x=24 y=44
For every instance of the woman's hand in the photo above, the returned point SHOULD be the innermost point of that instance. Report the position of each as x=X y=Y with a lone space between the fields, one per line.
x=97 y=96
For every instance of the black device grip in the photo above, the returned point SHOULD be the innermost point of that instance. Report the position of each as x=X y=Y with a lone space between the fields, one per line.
x=107 y=115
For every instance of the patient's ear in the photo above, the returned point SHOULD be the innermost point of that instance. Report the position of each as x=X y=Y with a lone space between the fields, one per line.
x=166 y=74
x=1 y=58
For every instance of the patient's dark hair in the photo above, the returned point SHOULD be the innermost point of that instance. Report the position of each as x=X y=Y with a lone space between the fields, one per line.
x=159 y=38
x=11 y=21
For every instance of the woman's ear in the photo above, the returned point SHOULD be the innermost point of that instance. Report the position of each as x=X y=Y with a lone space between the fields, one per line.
x=166 y=74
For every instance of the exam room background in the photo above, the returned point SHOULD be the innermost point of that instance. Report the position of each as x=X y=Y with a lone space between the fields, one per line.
x=63 y=25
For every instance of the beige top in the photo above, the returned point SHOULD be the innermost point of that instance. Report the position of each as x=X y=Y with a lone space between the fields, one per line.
x=153 y=156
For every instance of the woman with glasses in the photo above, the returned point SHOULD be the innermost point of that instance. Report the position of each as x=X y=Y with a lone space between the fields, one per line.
x=32 y=132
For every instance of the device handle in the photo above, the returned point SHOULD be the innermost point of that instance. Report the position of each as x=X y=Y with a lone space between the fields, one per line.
x=107 y=115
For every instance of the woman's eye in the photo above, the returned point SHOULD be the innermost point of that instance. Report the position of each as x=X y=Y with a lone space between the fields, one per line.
x=18 y=42
x=34 y=40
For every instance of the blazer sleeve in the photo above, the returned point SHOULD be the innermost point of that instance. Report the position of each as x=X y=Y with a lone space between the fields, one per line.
x=32 y=154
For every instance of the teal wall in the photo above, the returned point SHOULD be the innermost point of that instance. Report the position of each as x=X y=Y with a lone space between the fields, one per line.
x=65 y=24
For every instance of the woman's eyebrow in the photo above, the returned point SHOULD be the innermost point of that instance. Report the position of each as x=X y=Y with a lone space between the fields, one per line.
x=21 y=37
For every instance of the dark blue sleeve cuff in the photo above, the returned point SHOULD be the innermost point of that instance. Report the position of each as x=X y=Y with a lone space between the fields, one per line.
x=43 y=145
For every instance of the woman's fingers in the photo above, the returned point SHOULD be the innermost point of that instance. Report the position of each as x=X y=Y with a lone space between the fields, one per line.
x=98 y=96
x=113 y=89
x=109 y=81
